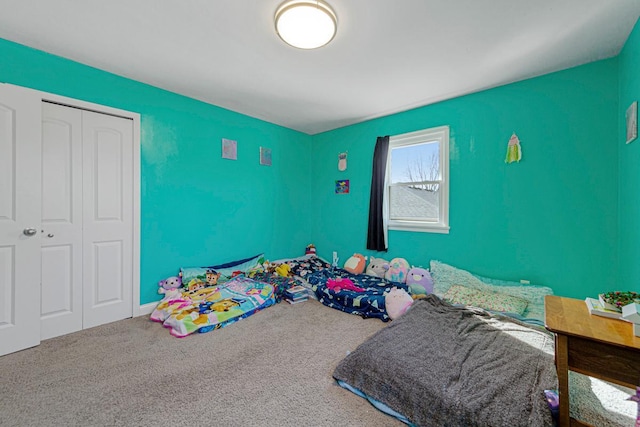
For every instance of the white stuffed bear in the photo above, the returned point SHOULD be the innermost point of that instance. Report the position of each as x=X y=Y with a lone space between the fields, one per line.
x=397 y=301
x=169 y=284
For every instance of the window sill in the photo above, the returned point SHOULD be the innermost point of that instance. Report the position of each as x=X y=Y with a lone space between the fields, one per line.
x=418 y=227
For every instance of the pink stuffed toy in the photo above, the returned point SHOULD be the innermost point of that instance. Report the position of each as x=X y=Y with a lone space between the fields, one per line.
x=397 y=302
x=338 y=284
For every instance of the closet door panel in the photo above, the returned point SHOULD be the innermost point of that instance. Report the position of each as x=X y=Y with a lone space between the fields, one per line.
x=108 y=218
x=7 y=169
x=61 y=310
x=108 y=189
x=108 y=258
x=7 y=285
x=20 y=189
x=57 y=283
x=7 y=213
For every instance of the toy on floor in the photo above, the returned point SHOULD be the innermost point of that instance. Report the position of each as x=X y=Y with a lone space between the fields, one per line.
x=397 y=302
x=554 y=404
x=377 y=267
x=398 y=268
x=636 y=398
x=283 y=270
x=168 y=284
x=265 y=267
x=355 y=264
x=420 y=282
x=339 y=283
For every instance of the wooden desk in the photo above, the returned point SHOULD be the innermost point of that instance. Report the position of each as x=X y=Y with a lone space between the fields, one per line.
x=591 y=345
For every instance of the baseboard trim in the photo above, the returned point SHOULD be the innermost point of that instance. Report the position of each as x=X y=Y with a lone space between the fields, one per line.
x=146 y=309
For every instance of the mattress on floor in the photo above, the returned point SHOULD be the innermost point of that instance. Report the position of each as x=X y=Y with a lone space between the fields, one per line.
x=370 y=303
x=213 y=307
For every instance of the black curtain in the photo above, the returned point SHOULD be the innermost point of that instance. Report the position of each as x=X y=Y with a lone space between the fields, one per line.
x=375 y=233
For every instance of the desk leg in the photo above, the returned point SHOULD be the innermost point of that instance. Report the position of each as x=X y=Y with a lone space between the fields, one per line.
x=562 y=367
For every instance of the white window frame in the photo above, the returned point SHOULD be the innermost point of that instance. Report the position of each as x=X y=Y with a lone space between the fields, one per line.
x=441 y=135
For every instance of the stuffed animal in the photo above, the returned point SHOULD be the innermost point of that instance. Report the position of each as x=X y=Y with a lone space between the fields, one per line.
x=397 y=302
x=419 y=281
x=636 y=398
x=168 y=284
x=377 y=267
x=268 y=267
x=283 y=270
x=340 y=283
x=310 y=250
x=398 y=268
x=355 y=264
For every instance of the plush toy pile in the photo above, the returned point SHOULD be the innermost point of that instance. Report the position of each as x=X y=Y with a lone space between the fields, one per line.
x=201 y=299
x=398 y=270
x=206 y=298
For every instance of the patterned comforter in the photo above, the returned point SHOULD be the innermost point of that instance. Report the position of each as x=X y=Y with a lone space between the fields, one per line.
x=370 y=303
x=213 y=307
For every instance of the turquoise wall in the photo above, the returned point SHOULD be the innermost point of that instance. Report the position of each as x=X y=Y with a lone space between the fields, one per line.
x=550 y=219
x=629 y=168
x=196 y=208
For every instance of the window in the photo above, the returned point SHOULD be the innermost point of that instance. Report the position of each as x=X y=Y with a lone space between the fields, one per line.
x=417 y=187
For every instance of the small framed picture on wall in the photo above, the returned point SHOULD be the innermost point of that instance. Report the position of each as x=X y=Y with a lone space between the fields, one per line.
x=632 y=122
x=265 y=156
x=229 y=149
x=342 y=186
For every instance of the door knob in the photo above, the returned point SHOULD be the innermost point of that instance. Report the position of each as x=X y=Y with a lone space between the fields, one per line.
x=29 y=231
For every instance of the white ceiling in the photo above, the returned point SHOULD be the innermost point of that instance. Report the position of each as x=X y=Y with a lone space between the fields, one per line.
x=387 y=56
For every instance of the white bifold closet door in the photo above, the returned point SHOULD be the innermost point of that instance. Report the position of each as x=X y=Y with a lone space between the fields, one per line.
x=61 y=226
x=19 y=219
x=87 y=219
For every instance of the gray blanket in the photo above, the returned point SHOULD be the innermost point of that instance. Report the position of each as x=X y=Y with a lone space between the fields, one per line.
x=441 y=365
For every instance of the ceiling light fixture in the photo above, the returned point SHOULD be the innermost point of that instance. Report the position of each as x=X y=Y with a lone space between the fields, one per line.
x=306 y=24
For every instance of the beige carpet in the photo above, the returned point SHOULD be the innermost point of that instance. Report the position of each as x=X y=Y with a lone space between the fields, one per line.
x=271 y=369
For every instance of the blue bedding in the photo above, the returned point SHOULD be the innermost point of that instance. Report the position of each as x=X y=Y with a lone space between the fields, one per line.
x=369 y=303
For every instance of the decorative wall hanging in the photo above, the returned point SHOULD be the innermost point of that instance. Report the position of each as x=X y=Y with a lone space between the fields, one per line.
x=265 y=156
x=342 y=186
x=514 y=151
x=229 y=149
x=632 y=121
x=342 y=161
